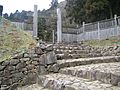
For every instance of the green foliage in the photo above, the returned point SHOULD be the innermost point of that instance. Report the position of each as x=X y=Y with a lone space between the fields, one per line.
x=43 y=32
x=17 y=16
x=54 y=4
x=92 y=10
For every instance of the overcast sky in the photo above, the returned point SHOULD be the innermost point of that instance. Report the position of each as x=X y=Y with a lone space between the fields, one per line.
x=13 y=5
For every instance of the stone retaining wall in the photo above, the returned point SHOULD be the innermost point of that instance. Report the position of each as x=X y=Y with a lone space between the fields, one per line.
x=24 y=69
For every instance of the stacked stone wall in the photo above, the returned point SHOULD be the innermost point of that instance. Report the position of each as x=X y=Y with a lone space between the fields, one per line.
x=24 y=69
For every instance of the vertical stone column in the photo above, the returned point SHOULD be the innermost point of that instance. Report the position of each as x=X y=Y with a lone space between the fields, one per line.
x=98 y=30
x=59 y=26
x=116 y=30
x=35 y=21
x=83 y=31
x=53 y=36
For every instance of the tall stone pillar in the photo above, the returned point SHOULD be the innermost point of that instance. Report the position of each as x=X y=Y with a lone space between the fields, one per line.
x=53 y=36
x=59 y=26
x=35 y=21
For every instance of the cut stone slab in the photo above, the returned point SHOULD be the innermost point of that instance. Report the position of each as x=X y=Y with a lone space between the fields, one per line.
x=66 y=82
x=105 y=72
x=71 y=56
x=60 y=51
x=86 y=61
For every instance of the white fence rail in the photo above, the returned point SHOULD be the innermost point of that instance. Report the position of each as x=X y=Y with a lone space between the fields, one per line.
x=19 y=25
x=97 y=30
x=24 y=26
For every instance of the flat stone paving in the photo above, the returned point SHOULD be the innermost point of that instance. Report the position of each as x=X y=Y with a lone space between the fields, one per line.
x=106 y=72
x=32 y=87
x=67 y=82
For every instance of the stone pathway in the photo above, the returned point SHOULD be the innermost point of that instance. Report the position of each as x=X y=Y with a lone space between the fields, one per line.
x=67 y=82
x=105 y=72
x=101 y=72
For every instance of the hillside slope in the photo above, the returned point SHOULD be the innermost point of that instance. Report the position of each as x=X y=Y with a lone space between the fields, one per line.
x=13 y=40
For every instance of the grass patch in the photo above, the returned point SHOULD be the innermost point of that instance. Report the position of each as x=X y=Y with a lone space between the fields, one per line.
x=13 y=40
x=107 y=42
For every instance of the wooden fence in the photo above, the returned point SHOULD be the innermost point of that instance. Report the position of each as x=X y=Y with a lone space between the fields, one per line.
x=98 y=30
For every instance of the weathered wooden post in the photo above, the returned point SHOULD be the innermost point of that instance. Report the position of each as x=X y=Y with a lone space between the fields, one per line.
x=35 y=22
x=59 y=26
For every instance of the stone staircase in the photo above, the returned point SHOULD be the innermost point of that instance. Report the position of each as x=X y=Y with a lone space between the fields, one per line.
x=83 y=51
x=97 y=72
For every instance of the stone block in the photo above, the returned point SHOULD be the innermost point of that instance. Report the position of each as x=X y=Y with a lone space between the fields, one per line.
x=43 y=59
x=1 y=73
x=20 y=65
x=115 y=79
x=58 y=85
x=53 y=68
x=13 y=86
x=5 y=63
x=30 y=67
x=38 y=51
x=6 y=81
x=31 y=78
x=49 y=48
x=48 y=83
x=4 y=87
x=10 y=68
x=26 y=55
x=42 y=70
x=18 y=75
x=35 y=63
x=2 y=68
x=15 y=71
x=51 y=58
x=14 y=61
x=24 y=59
x=68 y=87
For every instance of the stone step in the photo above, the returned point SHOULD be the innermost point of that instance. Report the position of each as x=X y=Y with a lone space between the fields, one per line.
x=32 y=87
x=69 y=47
x=86 y=61
x=72 y=51
x=66 y=82
x=76 y=56
x=105 y=72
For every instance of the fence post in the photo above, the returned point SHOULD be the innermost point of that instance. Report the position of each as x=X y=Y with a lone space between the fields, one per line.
x=53 y=36
x=83 y=31
x=115 y=19
x=98 y=30
x=77 y=34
